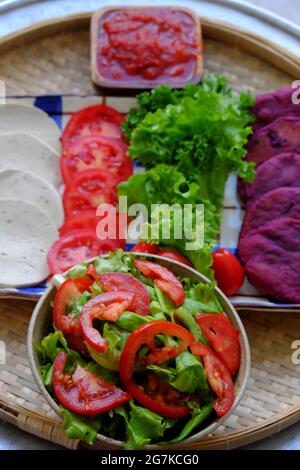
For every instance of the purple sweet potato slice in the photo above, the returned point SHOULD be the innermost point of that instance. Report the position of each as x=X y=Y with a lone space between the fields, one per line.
x=271 y=255
x=282 y=135
x=280 y=171
x=270 y=106
x=280 y=202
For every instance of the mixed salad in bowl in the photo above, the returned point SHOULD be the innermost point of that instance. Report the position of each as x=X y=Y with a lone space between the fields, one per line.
x=136 y=353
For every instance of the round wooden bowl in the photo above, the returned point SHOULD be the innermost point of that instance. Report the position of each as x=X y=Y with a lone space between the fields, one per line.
x=41 y=325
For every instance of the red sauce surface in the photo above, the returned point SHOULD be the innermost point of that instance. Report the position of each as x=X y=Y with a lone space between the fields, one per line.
x=155 y=44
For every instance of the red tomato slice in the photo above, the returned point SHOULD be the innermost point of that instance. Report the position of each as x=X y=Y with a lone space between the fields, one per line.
x=163 y=278
x=173 y=255
x=88 y=190
x=108 y=306
x=85 y=220
x=145 y=335
x=93 y=152
x=229 y=272
x=89 y=220
x=98 y=119
x=77 y=247
x=66 y=296
x=218 y=376
x=222 y=337
x=144 y=247
x=125 y=282
x=84 y=392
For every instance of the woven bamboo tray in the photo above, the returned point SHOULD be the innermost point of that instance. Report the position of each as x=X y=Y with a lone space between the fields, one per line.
x=53 y=57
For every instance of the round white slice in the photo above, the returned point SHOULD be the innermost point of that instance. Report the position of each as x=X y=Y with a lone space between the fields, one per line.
x=16 y=117
x=17 y=184
x=26 y=234
x=24 y=152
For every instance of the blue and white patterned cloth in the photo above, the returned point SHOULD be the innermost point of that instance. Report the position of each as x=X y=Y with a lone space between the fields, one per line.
x=60 y=108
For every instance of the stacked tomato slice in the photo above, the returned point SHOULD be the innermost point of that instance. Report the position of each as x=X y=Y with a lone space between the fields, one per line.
x=93 y=162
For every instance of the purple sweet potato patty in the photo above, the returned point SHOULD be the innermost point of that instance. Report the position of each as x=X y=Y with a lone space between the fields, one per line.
x=271 y=255
x=281 y=202
x=282 y=135
x=280 y=171
x=270 y=106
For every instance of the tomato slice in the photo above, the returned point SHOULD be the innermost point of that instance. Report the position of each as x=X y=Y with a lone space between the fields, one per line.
x=85 y=220
x=144 y=247
x=229 y=272
x=99 y=152
x=125 y=282
x=175 y=256
x=76 y=247
x=222 y=337
x=218 y=376
x=145 y=335
x=163 y=278
x=107 y=306
x=90 y=220
x=88 y=190
x=84 y=392
x=98 y=119
x=66 y=296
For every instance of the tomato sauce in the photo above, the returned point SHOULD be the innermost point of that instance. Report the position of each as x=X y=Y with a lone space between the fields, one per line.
x=152 y=45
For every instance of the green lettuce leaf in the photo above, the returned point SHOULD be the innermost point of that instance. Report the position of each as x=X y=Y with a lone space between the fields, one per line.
x=201 y=130
x=200 y=297
x=188 y=375
x=144 y=426
x=199 y=415
x=78 y=427
x=187 y=319
x=164 y=184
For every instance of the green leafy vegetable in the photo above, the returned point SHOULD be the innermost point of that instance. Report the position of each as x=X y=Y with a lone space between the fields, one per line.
x=165 y=186
x=200 y=298
x=129 y=321
x=203 y=132
x=199 y=415
x=187 y=376
x=77 y=427
x=143 y=426
x=117 y=261
x=190 y=323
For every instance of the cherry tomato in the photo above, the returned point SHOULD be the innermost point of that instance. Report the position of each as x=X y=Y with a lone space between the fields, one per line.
x=84 y=392
x=108 y=306
x=218 y=377
x=76 y=247
x=96 y=152
x=222 y=337
x=114 y=282
x=98 y=119
x=228 y=271
x=63 y=318
x=144 y=247
x=88 y=190
x=173 y=255
x=163 y=278
x=145 y=335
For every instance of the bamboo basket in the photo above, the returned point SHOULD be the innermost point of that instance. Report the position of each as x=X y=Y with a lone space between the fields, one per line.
x=53 y=57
